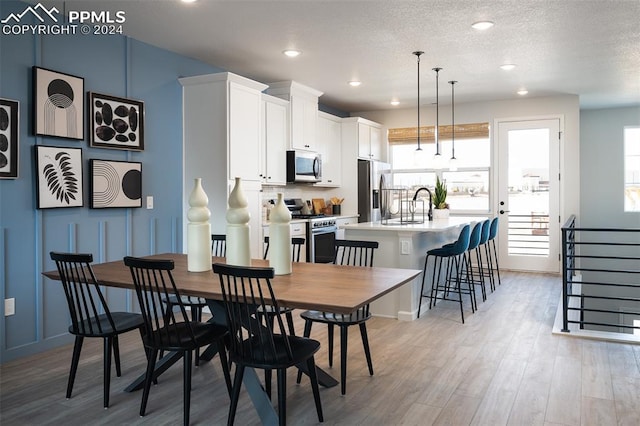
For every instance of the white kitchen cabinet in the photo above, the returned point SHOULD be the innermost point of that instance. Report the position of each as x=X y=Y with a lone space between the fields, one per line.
x=330 y=145
x=368 y=135
x=275 y=140
x=342 y=221
x=222 y=117
x=244 y=132
x=303 y=108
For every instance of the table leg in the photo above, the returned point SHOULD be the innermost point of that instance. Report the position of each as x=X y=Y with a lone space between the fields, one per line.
x=259 y=398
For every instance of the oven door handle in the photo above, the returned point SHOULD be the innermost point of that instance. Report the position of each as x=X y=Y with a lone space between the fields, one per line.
x=325 y=230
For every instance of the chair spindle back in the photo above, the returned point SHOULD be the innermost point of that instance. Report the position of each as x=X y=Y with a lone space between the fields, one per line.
x=84 y=297
x=154 y=283
x=247 y=295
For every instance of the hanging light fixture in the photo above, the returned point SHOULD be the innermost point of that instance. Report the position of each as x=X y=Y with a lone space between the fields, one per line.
x=419 y=156
x=453 y=166
x=436 y=133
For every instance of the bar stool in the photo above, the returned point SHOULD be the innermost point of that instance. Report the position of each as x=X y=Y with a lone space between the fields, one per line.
x=493 y=233
x=484 y=239
x=474 y=242
x=456 y=262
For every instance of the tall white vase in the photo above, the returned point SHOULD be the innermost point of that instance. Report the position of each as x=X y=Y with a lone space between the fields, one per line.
x=198 y=230
x=238 y=242
x=280 y=238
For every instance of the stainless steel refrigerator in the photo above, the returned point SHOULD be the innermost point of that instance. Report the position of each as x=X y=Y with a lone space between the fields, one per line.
x=372 y=177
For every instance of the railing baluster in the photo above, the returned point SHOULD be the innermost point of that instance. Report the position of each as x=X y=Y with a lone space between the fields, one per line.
x=610 y=268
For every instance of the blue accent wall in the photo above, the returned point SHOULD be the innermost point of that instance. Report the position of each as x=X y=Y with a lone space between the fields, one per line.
x=110 y=64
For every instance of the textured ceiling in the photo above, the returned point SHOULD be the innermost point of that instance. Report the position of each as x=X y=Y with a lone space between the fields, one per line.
x=588 y=48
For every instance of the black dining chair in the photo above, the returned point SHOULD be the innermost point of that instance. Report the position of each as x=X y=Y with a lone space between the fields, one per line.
x=254 y=341
x=353 y=253
x=219 y=245
x=296 y=246
x=154 y=282
x=90 y=314
x=197 y=304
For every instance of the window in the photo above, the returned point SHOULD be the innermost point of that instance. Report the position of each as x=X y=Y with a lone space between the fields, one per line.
x=632 y=169
x=468 y=185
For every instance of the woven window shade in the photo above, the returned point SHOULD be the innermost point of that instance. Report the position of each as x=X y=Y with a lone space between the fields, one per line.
x=407 y=135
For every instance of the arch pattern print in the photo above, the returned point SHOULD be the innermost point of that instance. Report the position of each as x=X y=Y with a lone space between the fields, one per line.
x=115 y=184
x=58 y=104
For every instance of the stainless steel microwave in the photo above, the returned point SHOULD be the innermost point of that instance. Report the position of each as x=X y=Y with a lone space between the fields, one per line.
x=304 y=166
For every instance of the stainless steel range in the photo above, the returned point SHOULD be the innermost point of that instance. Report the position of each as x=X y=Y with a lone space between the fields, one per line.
x=321 y=232
x=321 y=237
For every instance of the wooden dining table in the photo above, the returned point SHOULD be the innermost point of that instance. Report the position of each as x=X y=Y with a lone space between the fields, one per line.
x=317 y=286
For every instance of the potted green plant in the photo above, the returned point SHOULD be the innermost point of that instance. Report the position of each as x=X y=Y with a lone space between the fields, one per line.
x=441 y=208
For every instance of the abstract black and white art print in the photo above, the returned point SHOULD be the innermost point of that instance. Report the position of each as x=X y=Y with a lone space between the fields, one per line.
x=9 y=125
x=59 y=177
x=116 y=123
x=58 y=104
x=115 y=184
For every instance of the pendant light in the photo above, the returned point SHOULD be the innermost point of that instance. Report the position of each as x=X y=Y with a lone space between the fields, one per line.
x=453 y=166
x=437 y=157
x=419 y=156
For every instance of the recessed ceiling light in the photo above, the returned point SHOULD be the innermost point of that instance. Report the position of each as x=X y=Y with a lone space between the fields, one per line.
x=189 y=1
x=355 y=83
x=395 y=103
x=508 y=67
x=292 y=53
x=482 y=25
x=522 y=92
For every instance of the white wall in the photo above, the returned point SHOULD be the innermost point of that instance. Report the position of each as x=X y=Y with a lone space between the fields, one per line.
x=567 y=107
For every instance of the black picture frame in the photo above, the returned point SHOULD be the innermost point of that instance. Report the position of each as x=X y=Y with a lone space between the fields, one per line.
x=58 y=177
x=115 y=184
x=58 y=104
x=114 y=122
x=9 y=138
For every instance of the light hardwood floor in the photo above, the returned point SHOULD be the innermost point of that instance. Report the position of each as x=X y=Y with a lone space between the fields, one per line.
x=503 y=367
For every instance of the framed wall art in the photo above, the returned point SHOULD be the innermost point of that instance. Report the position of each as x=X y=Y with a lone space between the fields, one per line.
x=116 y=123
x=58 y=104
x=59 y=177
x=115 y=184
x=9 y=133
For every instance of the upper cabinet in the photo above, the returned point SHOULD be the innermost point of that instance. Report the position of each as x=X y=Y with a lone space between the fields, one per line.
x=303 y=107
x=329 y=139
x=275 y=140
x=244 y=132
x=222 y=123
x=368 y=135
x=222 y=139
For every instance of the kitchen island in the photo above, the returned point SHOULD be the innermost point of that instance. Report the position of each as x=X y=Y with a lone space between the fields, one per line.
x=406 y=246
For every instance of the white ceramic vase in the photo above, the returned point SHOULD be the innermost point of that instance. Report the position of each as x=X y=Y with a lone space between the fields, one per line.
x=198 y=230
x=238 y=242
x=280 y=238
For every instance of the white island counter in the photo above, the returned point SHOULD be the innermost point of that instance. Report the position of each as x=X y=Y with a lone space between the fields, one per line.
x=406 y=246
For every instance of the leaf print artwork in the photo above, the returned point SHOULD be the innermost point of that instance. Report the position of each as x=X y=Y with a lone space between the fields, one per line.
x=59 y=177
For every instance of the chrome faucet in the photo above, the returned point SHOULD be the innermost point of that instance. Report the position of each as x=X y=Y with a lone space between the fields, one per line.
x=415 y=197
